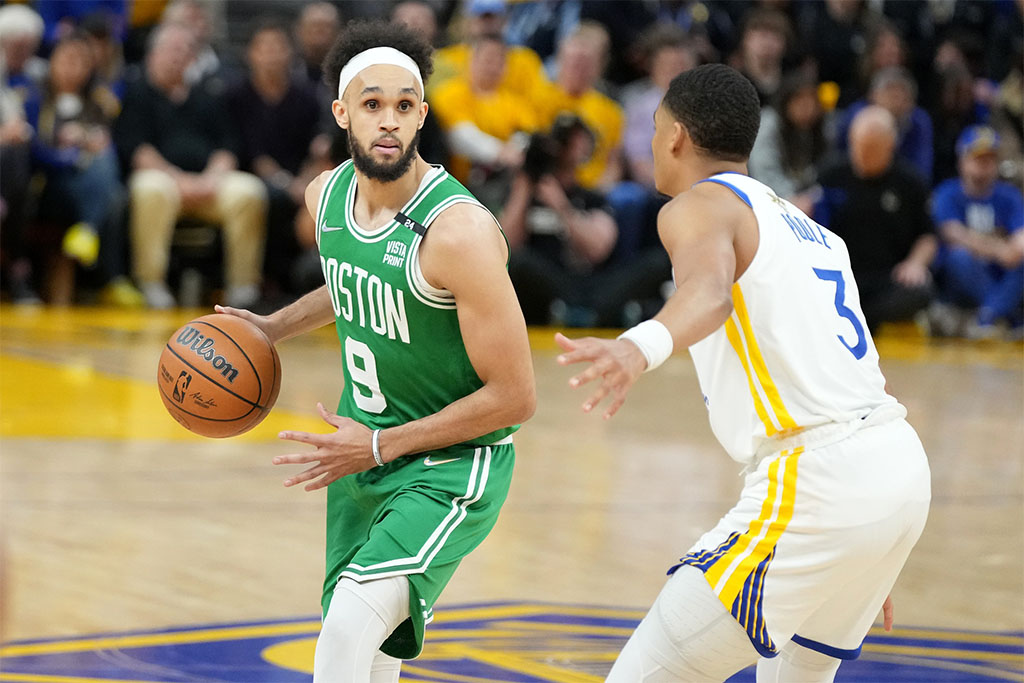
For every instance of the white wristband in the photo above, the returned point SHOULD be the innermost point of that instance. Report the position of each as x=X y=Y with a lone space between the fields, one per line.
x=375 y=448
x=654 y=341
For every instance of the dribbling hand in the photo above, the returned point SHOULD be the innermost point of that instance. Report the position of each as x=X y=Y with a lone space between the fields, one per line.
x=260 y=321
x=344 y=452
x=617 y=362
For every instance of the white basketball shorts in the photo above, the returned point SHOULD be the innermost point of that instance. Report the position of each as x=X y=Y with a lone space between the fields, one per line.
x=817 y=539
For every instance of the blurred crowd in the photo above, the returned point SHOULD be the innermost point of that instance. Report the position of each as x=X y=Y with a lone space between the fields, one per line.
x=128 y=127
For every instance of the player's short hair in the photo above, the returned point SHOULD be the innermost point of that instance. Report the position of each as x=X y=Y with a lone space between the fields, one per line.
x=719 y=108
x=361 y=35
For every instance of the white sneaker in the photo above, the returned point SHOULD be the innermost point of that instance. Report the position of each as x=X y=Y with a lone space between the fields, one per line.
x=242 y=296
x=158 y=296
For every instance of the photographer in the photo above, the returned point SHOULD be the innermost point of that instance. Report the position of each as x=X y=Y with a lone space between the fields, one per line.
x=562 y=235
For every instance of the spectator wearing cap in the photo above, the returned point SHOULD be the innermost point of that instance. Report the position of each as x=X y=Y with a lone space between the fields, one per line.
x=895 y=89
x=980 y=221
x=878 y=205
x=524 y=73
x=182 y=148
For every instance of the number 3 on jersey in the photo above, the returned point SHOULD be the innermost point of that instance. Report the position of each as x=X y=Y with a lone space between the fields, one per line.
x=359 y=354
x=861 y=347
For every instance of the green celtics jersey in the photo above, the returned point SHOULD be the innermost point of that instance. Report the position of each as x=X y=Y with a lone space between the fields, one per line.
x=403 y=353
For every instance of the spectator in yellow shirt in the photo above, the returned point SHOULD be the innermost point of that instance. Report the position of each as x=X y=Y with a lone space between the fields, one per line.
x=485 y=121
x=581 y=61
x=524 y=72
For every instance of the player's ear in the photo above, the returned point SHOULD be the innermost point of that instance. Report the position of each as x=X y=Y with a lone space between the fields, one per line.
x=423 y=113
x=340 y=112
x=679 y=136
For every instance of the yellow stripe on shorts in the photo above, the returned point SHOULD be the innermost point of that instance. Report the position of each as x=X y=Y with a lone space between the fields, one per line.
x=730 y=571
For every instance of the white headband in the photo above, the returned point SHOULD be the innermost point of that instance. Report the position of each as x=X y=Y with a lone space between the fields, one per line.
x=373 y=57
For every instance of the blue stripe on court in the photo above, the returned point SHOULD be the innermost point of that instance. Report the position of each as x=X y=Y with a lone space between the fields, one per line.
x=565 y=640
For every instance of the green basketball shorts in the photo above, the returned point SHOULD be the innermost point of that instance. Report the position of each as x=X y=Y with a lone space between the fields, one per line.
x=416 y=516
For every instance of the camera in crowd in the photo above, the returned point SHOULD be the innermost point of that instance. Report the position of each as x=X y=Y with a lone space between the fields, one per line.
x=557 y=147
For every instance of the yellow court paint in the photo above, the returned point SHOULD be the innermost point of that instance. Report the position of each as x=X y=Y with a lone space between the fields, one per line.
x=74 y=400
x=201 y=635
x=296 y=655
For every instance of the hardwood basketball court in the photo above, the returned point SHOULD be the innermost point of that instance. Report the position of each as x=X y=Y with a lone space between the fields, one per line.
x=115 y=520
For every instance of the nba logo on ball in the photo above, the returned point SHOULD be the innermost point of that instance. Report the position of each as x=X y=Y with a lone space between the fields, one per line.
x=184 y=379
x=219 y=375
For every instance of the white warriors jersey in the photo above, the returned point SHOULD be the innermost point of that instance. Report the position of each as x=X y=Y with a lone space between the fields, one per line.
x=796 y=352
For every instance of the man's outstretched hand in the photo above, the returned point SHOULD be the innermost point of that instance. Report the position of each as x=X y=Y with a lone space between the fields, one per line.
x=616 y=362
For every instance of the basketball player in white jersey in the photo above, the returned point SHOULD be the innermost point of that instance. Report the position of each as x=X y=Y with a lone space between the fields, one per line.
x=837 y=484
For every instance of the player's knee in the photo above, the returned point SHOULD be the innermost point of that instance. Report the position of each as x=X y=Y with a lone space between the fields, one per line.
x=360 y=618
x=690 y=633
x=352 y=610
x=386 y=600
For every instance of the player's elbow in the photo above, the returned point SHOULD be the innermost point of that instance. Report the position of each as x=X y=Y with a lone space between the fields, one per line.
x=528 y=405
x=722 y=308
x=521 y=402
x=719 y=307
x=525 y=403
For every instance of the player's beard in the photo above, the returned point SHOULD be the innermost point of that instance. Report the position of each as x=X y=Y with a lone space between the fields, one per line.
x=385 y=172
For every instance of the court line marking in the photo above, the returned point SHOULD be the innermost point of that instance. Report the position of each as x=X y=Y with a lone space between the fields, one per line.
x=45 y=678
x=943 y=652
x=963 y=667
x=201 y=635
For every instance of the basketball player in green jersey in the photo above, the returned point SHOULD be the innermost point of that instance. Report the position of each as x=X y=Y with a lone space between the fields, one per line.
x=436 y=362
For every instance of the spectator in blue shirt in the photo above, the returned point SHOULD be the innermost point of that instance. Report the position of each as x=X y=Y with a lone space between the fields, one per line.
x=895 y=89
x=980 y=221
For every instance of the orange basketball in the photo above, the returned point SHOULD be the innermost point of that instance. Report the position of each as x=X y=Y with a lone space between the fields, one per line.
x=219 y=375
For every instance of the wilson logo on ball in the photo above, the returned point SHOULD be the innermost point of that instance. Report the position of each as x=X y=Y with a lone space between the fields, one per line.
x=202 y=346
